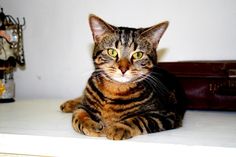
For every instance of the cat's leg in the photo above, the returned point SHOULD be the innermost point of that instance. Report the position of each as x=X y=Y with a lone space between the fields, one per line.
x=71 y=105
x=142 y=124
x=83 y=123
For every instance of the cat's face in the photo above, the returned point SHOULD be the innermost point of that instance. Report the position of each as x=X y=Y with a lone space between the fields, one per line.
x=125 y=54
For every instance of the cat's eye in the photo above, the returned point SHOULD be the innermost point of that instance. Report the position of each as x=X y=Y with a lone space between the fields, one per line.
x=137 y=55
x=112 y=52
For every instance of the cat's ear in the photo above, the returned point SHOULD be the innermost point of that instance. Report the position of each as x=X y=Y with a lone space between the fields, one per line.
x=155 y=32
x=99 y=27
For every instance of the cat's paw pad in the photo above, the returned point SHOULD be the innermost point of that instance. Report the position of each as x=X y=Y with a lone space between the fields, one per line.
x=118 y=132
x=68 y=106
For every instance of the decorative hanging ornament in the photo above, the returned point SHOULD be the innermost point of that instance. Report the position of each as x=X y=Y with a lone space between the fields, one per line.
x=11 y=54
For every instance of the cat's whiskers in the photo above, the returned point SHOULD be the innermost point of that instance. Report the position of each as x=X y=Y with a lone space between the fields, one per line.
x=155 y=83
x=158 y=83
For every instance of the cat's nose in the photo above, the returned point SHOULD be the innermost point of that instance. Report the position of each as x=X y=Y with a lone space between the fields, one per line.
x=123 y=65
x=123 y=69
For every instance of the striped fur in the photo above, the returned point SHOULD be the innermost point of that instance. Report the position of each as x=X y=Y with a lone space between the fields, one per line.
x=126 y=97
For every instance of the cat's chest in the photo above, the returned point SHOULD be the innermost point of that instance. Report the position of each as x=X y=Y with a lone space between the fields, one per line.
x=113 y=90
x=118 y=99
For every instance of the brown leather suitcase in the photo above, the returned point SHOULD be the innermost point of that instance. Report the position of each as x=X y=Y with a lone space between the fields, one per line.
x=208 y=85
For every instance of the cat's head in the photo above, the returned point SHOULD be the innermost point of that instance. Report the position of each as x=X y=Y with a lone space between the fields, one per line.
x=125 y=54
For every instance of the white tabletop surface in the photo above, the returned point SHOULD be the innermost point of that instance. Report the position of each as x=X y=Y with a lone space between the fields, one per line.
x=38 y=127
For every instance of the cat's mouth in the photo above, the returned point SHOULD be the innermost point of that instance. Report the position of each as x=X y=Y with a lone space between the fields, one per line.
x=122 y=79
x=126 y=79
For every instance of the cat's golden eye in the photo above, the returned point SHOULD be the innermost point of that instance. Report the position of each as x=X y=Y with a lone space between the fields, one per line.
x=137 y=55
x=112 y=52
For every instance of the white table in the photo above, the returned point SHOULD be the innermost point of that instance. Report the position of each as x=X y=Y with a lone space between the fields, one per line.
x=37 y=127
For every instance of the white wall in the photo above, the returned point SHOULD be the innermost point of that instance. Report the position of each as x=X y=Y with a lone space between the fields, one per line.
x=58 y=41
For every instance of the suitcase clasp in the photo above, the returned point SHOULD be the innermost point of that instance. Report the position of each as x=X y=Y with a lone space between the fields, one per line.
x=232 y=73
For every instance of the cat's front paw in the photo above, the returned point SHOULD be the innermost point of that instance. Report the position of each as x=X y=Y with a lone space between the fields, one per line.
x=85 y=125
x=118 y=131
x=71 y=105
x=68 y=106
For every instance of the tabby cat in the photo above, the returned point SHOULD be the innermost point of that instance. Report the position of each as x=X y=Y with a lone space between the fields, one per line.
x=127 y=94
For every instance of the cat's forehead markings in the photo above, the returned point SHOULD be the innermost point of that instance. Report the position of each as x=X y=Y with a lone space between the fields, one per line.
x=122 y=37
x=126 y=36
x=130 y=41
x=125 y=42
